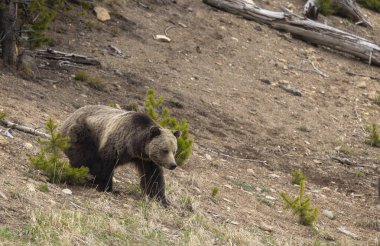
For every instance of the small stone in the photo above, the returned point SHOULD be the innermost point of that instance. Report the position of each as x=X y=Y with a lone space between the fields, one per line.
x=30 y=187
x=208 y=157
x=197 y=190
x=162 y=38
x=265 y=227
x=28 y=146
x=283 y=82
x=362 y=85
x=273 y=175
x=67 y=191
x=258 y=28
x=317 y=161
x=373 y=95
x=270 y=198
x=234 y=222
x=3 y=196
x=102 y=14
x=228 y=186
x=326 y=189
x=250 y=171
x=3 y=141
x=118 y=72
x=265 y=81
x=329 y=214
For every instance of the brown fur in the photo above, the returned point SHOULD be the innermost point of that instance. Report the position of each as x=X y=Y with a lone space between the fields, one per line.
x=102 y=138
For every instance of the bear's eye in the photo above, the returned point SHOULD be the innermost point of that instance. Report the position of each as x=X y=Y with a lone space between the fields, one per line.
x=164 y=151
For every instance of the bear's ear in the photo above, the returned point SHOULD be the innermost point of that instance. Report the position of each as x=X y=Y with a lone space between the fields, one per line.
x=177 y=134
x=154 y=131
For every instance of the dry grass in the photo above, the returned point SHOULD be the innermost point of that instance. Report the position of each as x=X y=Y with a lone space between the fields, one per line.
x=102 y=221
x=93 y=82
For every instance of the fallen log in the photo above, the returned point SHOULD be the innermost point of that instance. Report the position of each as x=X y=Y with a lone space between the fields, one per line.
x=70 y=57
x=304 y=29
x=345 y=8
x=25 y=129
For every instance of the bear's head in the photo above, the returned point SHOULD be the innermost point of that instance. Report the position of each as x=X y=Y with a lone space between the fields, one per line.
x=162 y=147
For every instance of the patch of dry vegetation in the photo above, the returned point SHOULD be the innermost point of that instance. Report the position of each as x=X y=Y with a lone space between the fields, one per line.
x=93 y=82
x=103 y=222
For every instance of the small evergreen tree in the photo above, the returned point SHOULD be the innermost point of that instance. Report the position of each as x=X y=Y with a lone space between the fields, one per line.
x=297 y=177
x=3 y=115
x=327 y=7
x=301 y=206
x=374 y=136
x=162 y=116
x=50 y=161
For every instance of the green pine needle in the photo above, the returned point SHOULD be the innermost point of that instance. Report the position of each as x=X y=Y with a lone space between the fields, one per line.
x=301 y=206
x=50 y=161
x=162 y=116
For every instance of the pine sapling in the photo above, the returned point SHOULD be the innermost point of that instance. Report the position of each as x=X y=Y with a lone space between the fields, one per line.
x=297 y=177
x=50 y=158
x=3 y=115
x=301 y=206
x=374 y=136
x=162 y=116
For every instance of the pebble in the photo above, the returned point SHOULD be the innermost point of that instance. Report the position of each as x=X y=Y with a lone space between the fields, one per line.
x=30 y=187
x=273 y=175
x=162 y=38
x=250 y=171
x=208 y=157
x=270 y=198
x=67 y=191
x=102 y=14
x=329 y=214
x=28 y=146
x=228 y=186
x=3 y=196
x=362 y=85
x=265 y=227
x=3 y=141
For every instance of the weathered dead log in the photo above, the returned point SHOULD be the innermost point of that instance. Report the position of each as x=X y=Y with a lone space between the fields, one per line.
x=71 y=57
x=25 y=129
x=345 y=8
x=305 y=29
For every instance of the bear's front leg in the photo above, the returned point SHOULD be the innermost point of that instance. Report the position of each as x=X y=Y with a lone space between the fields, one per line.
x=152 y=181
x=104 y=183
x=103 y=173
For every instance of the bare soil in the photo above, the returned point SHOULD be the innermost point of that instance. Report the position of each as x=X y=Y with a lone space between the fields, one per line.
x=222 y=73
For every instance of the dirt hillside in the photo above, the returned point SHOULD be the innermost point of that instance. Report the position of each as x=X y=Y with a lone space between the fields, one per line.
x=224 y=74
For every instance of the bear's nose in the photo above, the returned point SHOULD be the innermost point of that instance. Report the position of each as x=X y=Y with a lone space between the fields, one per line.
x=172 y=166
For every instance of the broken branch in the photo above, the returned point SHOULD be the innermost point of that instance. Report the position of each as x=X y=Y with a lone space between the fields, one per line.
x=25 y=129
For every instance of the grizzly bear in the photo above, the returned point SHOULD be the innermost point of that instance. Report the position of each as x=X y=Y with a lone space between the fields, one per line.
x=102 y=138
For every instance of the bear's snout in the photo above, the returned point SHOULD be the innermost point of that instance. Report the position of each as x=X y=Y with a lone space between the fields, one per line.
x=172 y=166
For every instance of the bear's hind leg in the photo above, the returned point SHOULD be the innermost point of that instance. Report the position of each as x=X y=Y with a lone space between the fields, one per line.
x=152 y=181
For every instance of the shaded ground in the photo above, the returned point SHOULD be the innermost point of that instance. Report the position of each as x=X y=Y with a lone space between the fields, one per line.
x=222 y=73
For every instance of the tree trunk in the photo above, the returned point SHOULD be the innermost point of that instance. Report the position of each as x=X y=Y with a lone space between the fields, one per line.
x=345 y=8
x=305 y=29
x=8 y=33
